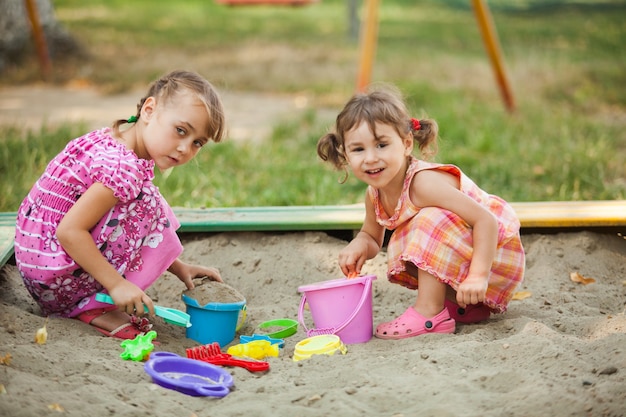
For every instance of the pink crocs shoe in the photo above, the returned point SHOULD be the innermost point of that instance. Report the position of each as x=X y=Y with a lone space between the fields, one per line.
x=473 y=313
x=411 y=323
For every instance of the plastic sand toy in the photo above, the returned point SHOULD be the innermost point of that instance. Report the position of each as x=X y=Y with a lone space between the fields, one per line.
x=283 y=328
x=255 y=336
x=170 y=315
x=257 y=349
x=327 y=344
x=139 y=348
x=188 y=376
x=214 y=355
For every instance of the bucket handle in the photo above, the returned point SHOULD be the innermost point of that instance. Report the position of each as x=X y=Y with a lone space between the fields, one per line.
x=244 y=314
x=317 y=332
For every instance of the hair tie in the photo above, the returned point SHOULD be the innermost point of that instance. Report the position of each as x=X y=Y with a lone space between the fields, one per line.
x=415 y=124
x=132 y=119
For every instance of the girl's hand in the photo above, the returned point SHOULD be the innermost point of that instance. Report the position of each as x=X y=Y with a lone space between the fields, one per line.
x=352 y=258
x=131 y=299
x=187 y=272
x=472 y=290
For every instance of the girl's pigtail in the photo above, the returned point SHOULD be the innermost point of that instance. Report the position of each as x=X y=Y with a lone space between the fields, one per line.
x=425 y=132
x=132 y=119
x=329 y=149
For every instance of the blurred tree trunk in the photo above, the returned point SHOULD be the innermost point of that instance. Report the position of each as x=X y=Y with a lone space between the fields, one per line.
x=16 y=35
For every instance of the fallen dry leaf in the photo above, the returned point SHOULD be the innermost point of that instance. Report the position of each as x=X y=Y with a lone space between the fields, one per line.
x=576 y=277
x=42 y=334
x=56 y=407
x=3 y=390
x=520 y=295
x=6 y=359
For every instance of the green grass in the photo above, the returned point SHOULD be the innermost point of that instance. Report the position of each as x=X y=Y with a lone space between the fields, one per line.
x=565 y=61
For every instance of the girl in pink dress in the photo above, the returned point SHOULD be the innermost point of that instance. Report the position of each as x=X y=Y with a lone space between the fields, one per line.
x=459 y=243
x=94 y=221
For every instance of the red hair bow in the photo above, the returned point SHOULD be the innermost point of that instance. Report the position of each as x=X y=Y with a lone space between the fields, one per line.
x=415 y=124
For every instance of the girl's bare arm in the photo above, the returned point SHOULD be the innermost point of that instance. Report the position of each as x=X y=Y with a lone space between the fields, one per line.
x=74 y=235
x=437 y=189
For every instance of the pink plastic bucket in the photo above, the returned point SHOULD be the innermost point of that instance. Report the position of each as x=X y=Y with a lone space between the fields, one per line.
x=342 y=307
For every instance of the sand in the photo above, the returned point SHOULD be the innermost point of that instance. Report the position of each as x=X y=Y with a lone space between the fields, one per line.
x=208 y=291
x=559 y=352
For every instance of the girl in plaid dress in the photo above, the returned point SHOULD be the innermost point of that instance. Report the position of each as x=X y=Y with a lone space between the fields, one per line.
x=460 y=245
x=94 y=220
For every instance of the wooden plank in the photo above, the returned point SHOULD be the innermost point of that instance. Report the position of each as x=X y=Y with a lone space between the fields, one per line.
x=558 y=214
x=7 y=234
x=266 y=2
x=543 y=214
x=270 y=218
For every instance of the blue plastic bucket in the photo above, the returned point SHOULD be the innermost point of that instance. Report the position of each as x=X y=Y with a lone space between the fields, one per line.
x=214 y=322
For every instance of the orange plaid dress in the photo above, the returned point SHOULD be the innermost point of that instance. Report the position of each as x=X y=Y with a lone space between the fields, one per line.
x=440 y=242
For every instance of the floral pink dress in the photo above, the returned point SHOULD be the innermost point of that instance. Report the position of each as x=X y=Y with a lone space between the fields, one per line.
x=440 y=242
x=137 y=236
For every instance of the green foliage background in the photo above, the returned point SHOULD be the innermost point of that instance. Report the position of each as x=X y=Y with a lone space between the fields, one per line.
x=565 y=61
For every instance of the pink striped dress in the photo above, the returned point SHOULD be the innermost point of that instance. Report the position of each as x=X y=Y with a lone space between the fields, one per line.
x=137 y=236
x=440 y=242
